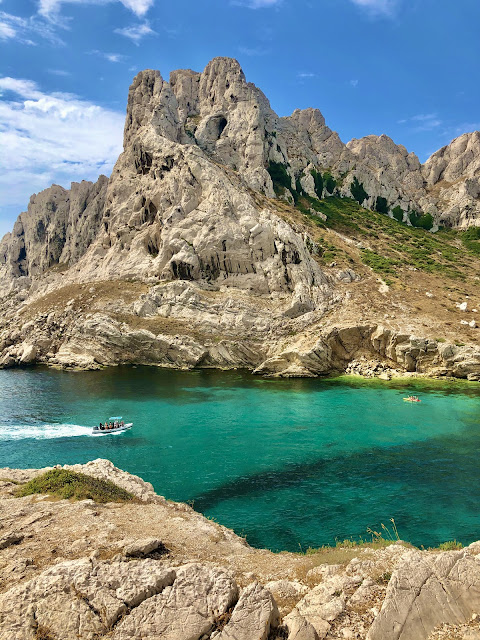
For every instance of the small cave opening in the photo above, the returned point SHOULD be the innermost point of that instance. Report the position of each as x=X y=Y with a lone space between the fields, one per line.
x=222 y=123
x=152 y=248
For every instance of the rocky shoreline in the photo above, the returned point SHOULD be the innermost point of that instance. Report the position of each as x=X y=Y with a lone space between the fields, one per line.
x=70 y=337
x=156 y=569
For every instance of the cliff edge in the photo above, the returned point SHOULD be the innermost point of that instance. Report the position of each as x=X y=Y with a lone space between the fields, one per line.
x=150 y=568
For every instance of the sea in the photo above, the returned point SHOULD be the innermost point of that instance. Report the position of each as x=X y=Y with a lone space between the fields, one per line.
x=290 y=464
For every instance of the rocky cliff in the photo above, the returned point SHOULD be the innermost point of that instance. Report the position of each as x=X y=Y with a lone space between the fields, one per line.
x=150 y=569
x=208 y=245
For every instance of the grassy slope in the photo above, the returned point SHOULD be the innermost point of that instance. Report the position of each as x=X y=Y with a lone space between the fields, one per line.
x=411 y=261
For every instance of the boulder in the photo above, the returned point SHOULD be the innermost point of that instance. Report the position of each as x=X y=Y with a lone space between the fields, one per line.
x=188 y=609
x=427 y=590
x=253 y=617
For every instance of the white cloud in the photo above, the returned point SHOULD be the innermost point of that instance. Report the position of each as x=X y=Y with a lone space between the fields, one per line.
x=257 y=4
x=114 y=57
x=51 y=8
x=22 y=29
x=139 y=7
x=306 y=74
x=59 y=72
x=111 y=57
x=253 y=51
x=377 y=7
x=6 y=31
x=422 y=122
x=136 y=32
x=23 y=88
x=354 y=83
x=51 y=138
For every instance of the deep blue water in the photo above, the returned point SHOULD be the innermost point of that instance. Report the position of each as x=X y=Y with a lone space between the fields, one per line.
x=286 y=462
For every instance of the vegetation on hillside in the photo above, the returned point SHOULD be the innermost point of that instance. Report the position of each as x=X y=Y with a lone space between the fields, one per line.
x=390 y=244
x=77 y=486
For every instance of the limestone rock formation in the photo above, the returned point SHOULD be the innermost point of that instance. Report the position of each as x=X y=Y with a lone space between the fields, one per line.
x=452 y=177
x=426 y=591
x=58 y=228
x=186 y=257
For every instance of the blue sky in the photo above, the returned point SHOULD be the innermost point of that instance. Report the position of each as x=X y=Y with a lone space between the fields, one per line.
x=407 y=68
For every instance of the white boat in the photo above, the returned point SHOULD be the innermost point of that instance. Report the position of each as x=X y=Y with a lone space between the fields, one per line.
x=118 y=425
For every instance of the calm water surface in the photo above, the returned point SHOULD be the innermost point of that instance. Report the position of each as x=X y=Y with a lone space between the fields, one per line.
x=288 y=463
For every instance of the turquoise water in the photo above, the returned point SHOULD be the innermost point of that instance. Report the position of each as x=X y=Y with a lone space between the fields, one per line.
x=285 y=462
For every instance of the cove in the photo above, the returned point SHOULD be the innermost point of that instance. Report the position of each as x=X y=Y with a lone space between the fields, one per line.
x=288 y=463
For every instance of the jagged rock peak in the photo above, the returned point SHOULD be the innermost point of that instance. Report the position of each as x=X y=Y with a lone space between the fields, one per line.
x=460 y=158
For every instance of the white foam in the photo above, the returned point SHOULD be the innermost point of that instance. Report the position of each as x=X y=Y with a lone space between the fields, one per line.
x=43 y=432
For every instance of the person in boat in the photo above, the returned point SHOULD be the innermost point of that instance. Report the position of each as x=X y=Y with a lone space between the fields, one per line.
x=101 y=427
x=122 y=423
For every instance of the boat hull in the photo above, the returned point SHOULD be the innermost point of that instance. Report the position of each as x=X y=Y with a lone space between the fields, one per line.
x=107 y=432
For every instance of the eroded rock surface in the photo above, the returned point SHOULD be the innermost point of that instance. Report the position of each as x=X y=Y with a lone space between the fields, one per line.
x=426 y=591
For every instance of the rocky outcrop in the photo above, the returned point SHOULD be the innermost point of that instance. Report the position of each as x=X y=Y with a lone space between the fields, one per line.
x=452 y=177
x=427 y=591
x=57 y=229
x=373 y=351
x=87 y=571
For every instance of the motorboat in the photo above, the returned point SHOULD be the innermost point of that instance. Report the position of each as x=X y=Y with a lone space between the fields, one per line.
x=115 y=424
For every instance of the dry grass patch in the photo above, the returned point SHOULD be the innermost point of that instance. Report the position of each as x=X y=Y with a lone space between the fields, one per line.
x=86 y=297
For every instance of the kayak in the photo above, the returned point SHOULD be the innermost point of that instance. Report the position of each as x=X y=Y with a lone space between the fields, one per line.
x=412 y=400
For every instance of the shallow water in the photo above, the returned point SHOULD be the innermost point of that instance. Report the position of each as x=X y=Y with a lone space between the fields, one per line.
x=286 y=462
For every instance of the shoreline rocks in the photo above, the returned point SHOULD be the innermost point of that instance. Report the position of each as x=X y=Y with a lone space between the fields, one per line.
x=207 y=583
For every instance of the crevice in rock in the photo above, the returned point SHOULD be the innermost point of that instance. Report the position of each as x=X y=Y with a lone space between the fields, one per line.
x=82 y=596
x=279 y=633
x=182 y=270
x=41 y=632
x=131 y=607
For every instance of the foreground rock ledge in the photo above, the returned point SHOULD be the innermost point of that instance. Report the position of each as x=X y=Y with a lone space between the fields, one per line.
x=155 y=569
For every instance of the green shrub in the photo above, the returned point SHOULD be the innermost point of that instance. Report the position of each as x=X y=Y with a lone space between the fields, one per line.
x=317 y=178
x=78 y=486
x=381 y=205
x=420 y=220
x=451 y=545
x=397 y=213
x=329 y=182
x=280 y=178
x=471 y=239
x=378 y=263
x=298 y=187
x=357 y=191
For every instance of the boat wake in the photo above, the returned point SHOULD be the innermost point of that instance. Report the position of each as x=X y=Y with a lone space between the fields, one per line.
x=43 y=432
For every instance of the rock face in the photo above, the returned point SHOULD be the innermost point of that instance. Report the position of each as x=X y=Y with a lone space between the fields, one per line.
x=205 y=267
x=452 y=176
x=58 y=228
x=176 y=205
x=451 y=581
